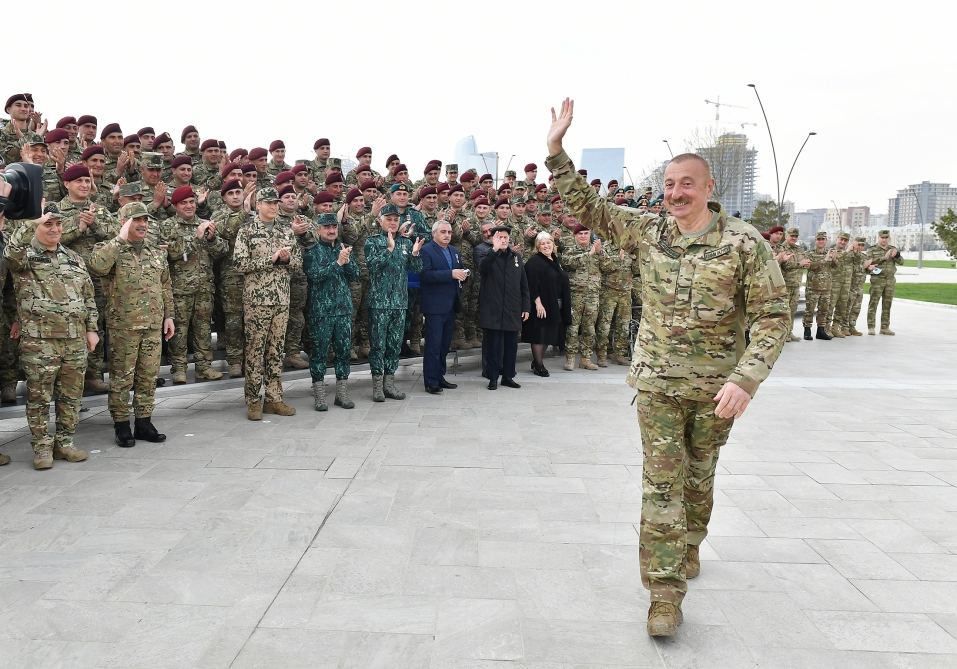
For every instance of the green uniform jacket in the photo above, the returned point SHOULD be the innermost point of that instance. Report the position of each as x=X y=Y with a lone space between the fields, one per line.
x=820 y=269
x=699 y=295
x=584 y=273
x=104 y=227
x=329 y=293
x=875 y=254
x=266 y=282
x=138 y=288
x=191 y=258
x=388 y=281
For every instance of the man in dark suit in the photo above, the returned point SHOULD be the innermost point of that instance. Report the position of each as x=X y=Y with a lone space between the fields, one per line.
x=441 y=278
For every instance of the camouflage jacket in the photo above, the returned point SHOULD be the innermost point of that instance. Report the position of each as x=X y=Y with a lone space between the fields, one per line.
x=104 y=227
x=53 y=189
x=138 y=289
x=875 y=254
x=266 y=282
x=318 y=169
x=419 y=226
x=103 y=196
x=53 y=288
x=820 y=269
x=206 y=176
x=9 y=143
x=228 y=224
x=388 y=281
x=191 y=258
x=329 y=293
x=352 y=178
x=699 y=295
x=842 y=270
x=791 y=268
x=617 y=268
x=858 y=274
x=354 y=231
x=584 y=273
x=273 y=168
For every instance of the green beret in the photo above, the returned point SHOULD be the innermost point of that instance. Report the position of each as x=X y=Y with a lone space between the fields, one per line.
x=400 y=186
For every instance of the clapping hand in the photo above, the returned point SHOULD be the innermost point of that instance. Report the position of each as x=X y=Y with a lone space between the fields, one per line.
x=344 y=254
x=419 y=243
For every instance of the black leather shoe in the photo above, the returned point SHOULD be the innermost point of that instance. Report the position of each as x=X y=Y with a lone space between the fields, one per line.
x=448 y=386
x=807 y=334
x=822 y=334
x=145 y=430
x=433 y=390
x=160 y=382
x=492 y=385
x=510 y=383
x=124 y=438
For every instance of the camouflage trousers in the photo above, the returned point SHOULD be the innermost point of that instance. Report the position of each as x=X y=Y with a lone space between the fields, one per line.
x=232 y=293
x=360 y=313
x=854 y=301
x=54 y=369
x=614 y=306
x=95 y=363
x=265 y=326
x=9 y=348
x=816 y=300
x=840 y=293
x=326 y=331
x=413 y=317
x=580 y=335
x=385 y=340
x=680 y=440
x=134 y=364
x=193 y=313
x=794 y=299
x=298 y=295
x=466 y=320
x=882 y=291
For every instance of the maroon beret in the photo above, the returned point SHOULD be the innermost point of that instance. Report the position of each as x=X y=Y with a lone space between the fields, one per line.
x=767 y=235
x=352 y=195
x=441 y=188
x=480 y=200
x=162 y=139
x=65 y=121
x=363 y=168
x=551 y=177
x=367 y=184
x=182 y=193
x=323 y=197
x=584 y=173
x=363 y=151
x=556 y=198
x=457 y=188
x=531 y=167
x=428 y=190
x=620 y=201
x=400 y=168
x=468 y=177
x=776 y=228
x=109 y=129
x=286 y=190
x=86 y=118
x=579 y=228
x=56 y=135
x=276 y=144
x=188 y=129
x=540 y=187
x=238 y=153
x=257 y=153
x=613 y=181
x=322 y=141
x=503 y=188
x=145 y=131
x=485 y=177
x=248 y=168
x=131 y=139
x=334 y=178
x=432 y=165
x=284 y=177
x=301 y=167
x=596 y=182
x=95 y=150
x=500 y=201
x=181 y=160
x=391 y=159
x=75 y=172
x=232 y=184
x=209 y=144
x=477 y=193
x=18 y=97
x=227 y=168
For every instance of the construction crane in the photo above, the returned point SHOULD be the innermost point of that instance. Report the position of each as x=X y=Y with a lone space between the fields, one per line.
x=718 y=105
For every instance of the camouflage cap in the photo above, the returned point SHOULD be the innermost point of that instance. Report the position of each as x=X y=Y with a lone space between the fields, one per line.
x=389 y=210
x=844 y=235
x=327 y=219
x=133 y=210
x=821 y=235
x=509 y=173
x=518 y=200
x=151 y=161
x=452 y=167
x=883 y=233
x=32 y=139
x=335 y=162
x=519 y=184
x=53 y=209
x=862 y=240
x=131 y=189
x=793 y=231
x=267 y=194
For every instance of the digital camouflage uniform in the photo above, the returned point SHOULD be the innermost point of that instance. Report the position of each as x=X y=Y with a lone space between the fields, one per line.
x=56 y=308
x=840 y=293
x=817 y=294
x=228 y=224
x=298 y=301
x=614 y=302
x=139 y=298
x=191 y=272
x=882 y=285
x=584 y=280
x=700 y=294
x=266 y=301
x=793 y=274
x=388 y=298
x=330 y=306
x=856 y=294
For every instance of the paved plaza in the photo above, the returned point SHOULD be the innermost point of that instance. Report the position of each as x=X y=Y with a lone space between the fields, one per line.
x=496 y=530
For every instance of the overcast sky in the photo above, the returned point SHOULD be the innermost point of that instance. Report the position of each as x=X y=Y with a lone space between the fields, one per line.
x=875 y=83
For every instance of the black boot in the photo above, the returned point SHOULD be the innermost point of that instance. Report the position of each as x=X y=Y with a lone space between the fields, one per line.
x=807 y=334
x=822 y=334
x=144 y=430
x=124 y=438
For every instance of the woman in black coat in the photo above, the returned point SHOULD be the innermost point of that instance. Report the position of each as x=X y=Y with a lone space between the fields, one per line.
x=550 y=299
x=503 y=307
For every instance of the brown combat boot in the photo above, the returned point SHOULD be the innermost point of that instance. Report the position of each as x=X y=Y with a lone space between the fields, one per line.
x=208 y=374
x=836 y=331
x=279 y=408
x=179 y=378
x=95 y=385
x=254 y=409
x=602 y=361
x=569 y=362
x=459 y=344
x=415 y=347
x=854 y=332
x=42 y=457
x=622 y=360
x=586 y=363
x=887 y=331
x=69 y=453
x=4 y=459
x=235 y=371
x=295 y=361
x=8 y=393
x=692 y=562
x=663 y=619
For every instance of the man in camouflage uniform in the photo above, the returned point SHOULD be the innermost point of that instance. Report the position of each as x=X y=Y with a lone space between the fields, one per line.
x=707 y=277
x=259 y=158
x=265 y=252
x=194 y=245
x=356 y=224
x=466 y=233
x=139 y=312
x=58 y=326
x=614 y=305
x=206 y=171
x=413 y=220
x=856 y=293
x=884 y=257
x=277 y=163
x=390 y=256
x=229 y=220
x=190 y=139
x=817 y=295
x=330 y=267
x=581 y=261
x=791 y=256
x=840 y=288
x=298 y=288
x=321 y=161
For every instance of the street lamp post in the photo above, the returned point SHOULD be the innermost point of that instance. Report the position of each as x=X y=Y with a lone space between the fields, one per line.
x=669 y=147
x=791 y=171
x=920 y=242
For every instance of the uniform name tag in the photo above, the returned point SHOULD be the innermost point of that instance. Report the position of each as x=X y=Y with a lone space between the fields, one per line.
x=41 y=259
x=717 y=253
x=667 y=250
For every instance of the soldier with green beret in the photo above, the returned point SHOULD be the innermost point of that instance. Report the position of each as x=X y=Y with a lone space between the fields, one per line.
x=881 y=261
